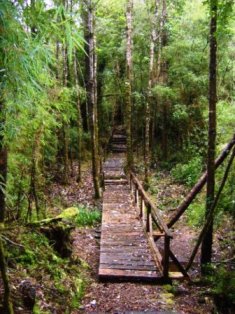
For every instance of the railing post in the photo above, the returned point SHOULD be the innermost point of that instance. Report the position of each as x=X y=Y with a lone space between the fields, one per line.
x=141 y=206
x=130 y=183
x=166 y=257
x=136 y=195
x=148 y=218
x=103 y=180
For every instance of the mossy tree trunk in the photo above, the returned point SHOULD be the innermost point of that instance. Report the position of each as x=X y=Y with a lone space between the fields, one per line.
x=206 y=251
x=128 y=83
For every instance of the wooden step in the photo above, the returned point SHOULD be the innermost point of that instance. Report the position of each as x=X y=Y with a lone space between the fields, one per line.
x=115 y=182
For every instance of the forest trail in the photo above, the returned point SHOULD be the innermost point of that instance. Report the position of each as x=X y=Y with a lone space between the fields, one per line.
x=124 y=248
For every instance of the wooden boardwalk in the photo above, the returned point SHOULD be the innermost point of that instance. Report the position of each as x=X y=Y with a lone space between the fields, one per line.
x=124 y=248
x=135 y=241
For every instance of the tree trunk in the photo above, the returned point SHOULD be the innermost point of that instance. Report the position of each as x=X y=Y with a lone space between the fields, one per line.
x=92 y=95
x=33 y=27
x=129 y=74
x=57 y=60
x=163 y=77
x=84 y=106
x=208 y=239
x=7 y=305
x=153 y=40
x=65 y=124
x=3 y=179
x=162 y=38
x=79 y=121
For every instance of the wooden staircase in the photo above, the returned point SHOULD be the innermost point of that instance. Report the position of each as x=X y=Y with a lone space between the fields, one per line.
x=118 y=141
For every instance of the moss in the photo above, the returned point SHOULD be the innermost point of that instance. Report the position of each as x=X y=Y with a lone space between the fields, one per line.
x=63 y=277
x=69 y=213
x=168 y=298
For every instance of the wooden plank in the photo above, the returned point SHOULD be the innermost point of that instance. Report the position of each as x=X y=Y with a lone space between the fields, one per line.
x=127 y=273
x=128 y=267
x=127 y=261
x=128 y=257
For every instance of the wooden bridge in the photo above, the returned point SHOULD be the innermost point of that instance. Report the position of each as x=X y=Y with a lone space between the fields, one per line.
x=135 y=242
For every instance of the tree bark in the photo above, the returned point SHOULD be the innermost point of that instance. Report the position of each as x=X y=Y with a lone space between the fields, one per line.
x=206 y=253
x=57 y=60
x=7 y=305
x=65 y=124
x=84 y=108
x=3 y=179
x=153 y=39
x=128 y=83
x=33 y=27
x=79 y=121
x=162 y=39
x=92 y=94
x=199 y=185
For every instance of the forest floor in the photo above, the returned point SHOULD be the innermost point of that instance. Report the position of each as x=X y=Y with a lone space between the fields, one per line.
x=180 y=297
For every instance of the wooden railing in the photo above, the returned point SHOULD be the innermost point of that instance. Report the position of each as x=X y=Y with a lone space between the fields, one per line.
x=155 y=229
x=154 y=226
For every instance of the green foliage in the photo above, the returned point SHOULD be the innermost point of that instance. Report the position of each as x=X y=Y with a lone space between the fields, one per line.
x=39 y=260
x=87 y=216
x=196 y=213
x=222 y=281
x=189 y=172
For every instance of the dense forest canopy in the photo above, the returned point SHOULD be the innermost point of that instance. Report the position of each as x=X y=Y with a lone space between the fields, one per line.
x=71 y=71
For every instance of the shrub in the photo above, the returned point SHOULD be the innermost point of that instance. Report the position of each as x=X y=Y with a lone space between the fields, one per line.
x=87 y=217
x=188 y=173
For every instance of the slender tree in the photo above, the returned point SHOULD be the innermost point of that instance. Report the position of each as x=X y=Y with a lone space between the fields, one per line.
x=206 y=251
x=92 y=91
x=3 y=177
x=128 y=83
x=3 y=164
x=162 y=77
x=153 y=39
x=79 y=118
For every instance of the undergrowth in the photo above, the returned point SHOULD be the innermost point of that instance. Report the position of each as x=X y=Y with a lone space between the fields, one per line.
x=87 y=217
x=60 y=281
x=222 y=283
x=55 y=276
x=188 y=173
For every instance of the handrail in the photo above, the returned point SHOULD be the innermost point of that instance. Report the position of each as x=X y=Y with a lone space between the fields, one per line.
x=154 y=212
x=150 y=214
